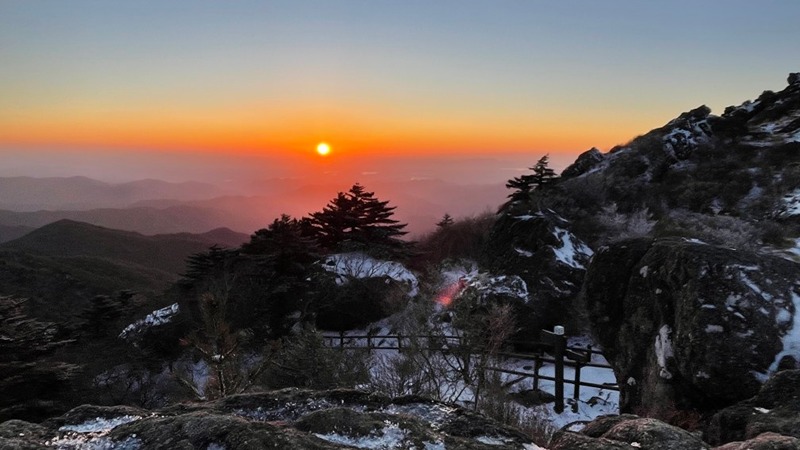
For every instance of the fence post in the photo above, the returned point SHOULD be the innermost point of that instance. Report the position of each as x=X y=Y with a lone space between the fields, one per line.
x=537 y=364
x=399 y=342
x=558 y=341
x=341 y=340
x=576 y=395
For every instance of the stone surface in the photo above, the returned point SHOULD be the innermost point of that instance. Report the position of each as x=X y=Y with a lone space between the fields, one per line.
x=291 y=418
x=765 y=441
x=539 y=248
x=775 y=409
x=627 y=432
x=690 y=326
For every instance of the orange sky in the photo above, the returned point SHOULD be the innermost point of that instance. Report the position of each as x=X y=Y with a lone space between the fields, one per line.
x=379 y=78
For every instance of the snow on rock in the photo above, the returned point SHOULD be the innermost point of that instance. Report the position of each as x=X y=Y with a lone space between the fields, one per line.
x=93 y=435
x=506 y=285
x=389 y=437
x=663 y=349
x=571 y=249
x=155 y=318
x=791 y=340
x=99 y=424
x=789 y=205
x=359 y=265
x=687 y=132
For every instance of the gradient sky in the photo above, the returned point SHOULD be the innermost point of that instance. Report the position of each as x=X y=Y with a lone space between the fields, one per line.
x=377 y=77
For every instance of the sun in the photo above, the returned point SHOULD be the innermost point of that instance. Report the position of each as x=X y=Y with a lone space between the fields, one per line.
x=323 y=148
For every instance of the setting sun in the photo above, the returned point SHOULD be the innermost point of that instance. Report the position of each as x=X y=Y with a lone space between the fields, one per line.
x=323 y=148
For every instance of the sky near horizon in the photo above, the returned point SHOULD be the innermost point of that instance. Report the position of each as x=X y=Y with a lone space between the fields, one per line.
x=376 y=77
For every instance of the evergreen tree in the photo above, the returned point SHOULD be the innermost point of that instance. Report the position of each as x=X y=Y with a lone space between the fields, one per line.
x=446 y=221
x=31 y=384
x=542 y=177
x=356 y=220
x=286 y=241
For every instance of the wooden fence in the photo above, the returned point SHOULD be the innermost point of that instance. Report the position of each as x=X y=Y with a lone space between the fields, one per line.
x=560 y=355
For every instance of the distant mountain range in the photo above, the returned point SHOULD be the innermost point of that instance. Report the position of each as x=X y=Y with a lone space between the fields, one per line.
x=73 y=261
x=81 y=193
x=157 y=207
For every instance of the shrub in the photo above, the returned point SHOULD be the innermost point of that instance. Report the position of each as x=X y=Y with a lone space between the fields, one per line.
x=462 y=239
x=305 y=361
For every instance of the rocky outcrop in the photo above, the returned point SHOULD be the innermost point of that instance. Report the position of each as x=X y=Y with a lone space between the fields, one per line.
x=296 y=419
x=686 y=132
x=690 y=326
x=775 y=409
x=540 y=249
x=586 y=161
x=765 y=441
x=627 y=432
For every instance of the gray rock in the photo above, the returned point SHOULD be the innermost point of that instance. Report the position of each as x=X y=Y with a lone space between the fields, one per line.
x=627 y=432
x=586 y=161
x=539 y=248
x=765 y=441
x=775 y=409
x=291 y=418
x=689 y=326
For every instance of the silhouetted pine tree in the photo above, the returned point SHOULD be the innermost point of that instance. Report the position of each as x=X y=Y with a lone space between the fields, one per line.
x=357 y=221
x=542 y=177
x=446 y=221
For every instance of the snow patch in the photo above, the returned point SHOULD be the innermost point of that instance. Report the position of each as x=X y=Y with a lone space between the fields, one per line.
x=99 y=424
x=643 y=271
x=663 y=348
x=93 y=435
x=158 y=317
x=389 y=437
x=791 y=340
x=523 y=252
x=789 y=205
x=359 y=265
x=510 y=285
x=714 y=329
x=571 y=249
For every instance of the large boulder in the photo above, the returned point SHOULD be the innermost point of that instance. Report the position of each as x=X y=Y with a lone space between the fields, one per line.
x=775 y=409
x=291 y=418
x=627 y=432
x=540 y=249
x=690 y=326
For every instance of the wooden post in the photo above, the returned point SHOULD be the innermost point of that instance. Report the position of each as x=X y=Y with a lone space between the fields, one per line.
x=557 y=339
x=341 y=340
x=537 y=364
x=399 y=342
x=576 y=395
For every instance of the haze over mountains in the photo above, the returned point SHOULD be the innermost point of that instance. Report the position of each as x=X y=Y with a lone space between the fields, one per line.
x=154 y=207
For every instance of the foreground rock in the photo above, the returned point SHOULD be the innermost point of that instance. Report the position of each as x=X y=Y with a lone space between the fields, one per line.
x=775 y=410
x=627 y=432
x=690 y=326
x=291 y=418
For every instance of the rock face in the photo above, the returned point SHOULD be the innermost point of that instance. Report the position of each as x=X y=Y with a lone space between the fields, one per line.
x=284 y=419
x=586 y=161
x=541 y=250
x=775 y=409
x=627 y=432
x=692 y=326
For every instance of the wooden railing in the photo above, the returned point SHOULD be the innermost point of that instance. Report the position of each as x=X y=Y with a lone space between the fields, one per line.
x=560 y=355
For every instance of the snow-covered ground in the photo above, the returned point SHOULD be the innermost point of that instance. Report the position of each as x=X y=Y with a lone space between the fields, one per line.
x=592 y=402
x=155 y=318
x=359 y=265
